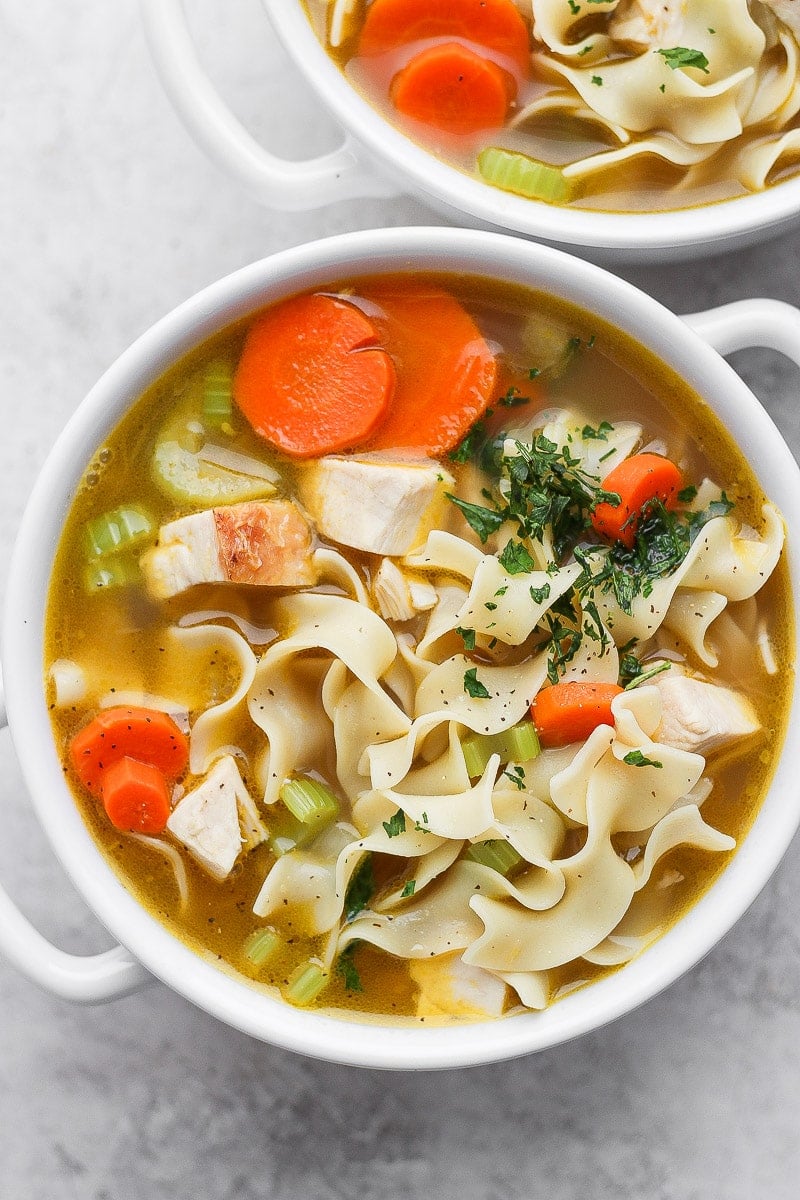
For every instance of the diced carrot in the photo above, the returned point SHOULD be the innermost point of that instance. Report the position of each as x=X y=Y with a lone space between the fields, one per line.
x=312 y=378
x=142 y=733
x=136 y=796
x=569 y=712
x=495 y=24
x=445 y=370
x=453 y=89
x=637 y=481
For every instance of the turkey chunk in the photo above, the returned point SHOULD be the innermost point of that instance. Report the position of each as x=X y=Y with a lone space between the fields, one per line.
x=787 y=11
x=646 y=24
x=217 y=818
x=372 y=503
x=258 y=542
x=699 y=716
x=449 y=987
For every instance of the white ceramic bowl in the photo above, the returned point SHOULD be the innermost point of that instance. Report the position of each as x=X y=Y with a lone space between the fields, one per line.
x=148 y=946
x=377 y=160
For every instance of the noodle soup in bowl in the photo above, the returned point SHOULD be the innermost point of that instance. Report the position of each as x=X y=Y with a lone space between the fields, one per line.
x=628 y=128
x=416 y=743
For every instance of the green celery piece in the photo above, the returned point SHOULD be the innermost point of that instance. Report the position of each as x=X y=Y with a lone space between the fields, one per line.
x=520 y=744
x=495 y=853
x=305 y=984
x=218 y=394
x=262 y=945
x=513 y=172
x=118 y=572
x=186 y=479
x=286 y=833
x=310 y=802
x=121 y=529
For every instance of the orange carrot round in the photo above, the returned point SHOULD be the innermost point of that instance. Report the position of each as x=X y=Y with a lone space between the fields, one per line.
x=115 y=733
x=445 y=370
x=136 y=796
x=637 y=481
x=312 y=379
x=568 y=712
x=453 y=89
x=495 y=24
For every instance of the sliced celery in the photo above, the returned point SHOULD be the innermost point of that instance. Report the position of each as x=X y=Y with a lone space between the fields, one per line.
x=495 y=853
x=188 y=479
x=520 y=744
x=121 y=529
x=310 y=802
x=286 y=833
x=305 y=984
x=117 y=572
x=513 y=172
x=262 y=945
x=218 y=394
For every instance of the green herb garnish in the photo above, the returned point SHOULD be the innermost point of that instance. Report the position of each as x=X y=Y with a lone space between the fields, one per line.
x=396 y=824
x=473 y=686
x=635 y=758
x=682 y=56
x=360 y=889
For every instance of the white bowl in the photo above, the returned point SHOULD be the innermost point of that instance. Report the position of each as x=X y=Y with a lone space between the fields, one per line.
x=149 y=947
x=377 y=160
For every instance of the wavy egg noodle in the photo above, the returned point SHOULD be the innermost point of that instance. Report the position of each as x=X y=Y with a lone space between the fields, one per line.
x=720 y=560
x=598 y=887
x=284 y=693
x=444 y=618
x=690 y=616
x=282 y=701
x=681 y=826
x=439 y=921
x=512 y=613
x=215 y=731
x=360 y=718
x=333 y=566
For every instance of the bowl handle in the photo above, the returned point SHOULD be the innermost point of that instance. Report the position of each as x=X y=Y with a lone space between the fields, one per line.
x=277 y=182
x=746 y=323
x=86 y=979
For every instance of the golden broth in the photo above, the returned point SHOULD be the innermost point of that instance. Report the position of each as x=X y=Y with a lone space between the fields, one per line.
x=119 y=636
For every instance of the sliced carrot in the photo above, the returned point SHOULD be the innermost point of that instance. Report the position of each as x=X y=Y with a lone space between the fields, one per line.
x=637 y=481
x=312 y=379
x=445 y=370
x=142 y=733
x=136 y=796
x=568 y=712
x=453 y=89
x=495 y=24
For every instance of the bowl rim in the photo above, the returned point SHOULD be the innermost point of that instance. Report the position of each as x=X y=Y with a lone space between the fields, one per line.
x=699 y=227
x=239 y=1003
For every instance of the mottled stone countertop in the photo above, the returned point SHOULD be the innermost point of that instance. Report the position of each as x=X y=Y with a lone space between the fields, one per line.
x=109 y=216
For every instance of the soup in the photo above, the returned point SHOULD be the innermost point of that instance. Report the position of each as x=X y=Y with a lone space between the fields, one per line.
x=616 y=105
x=419 y=648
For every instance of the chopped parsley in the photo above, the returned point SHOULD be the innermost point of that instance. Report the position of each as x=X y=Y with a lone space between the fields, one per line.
x=540 y=594
x=346 y=969
x=485 y=521
x=635 y=758
x=515 y=559
x=396 y=824
x=517 y=776
x=409 y=887
x=682 y=56
x=467 y=636
x=473 y=687
x=644 y=676
x=361 y=888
